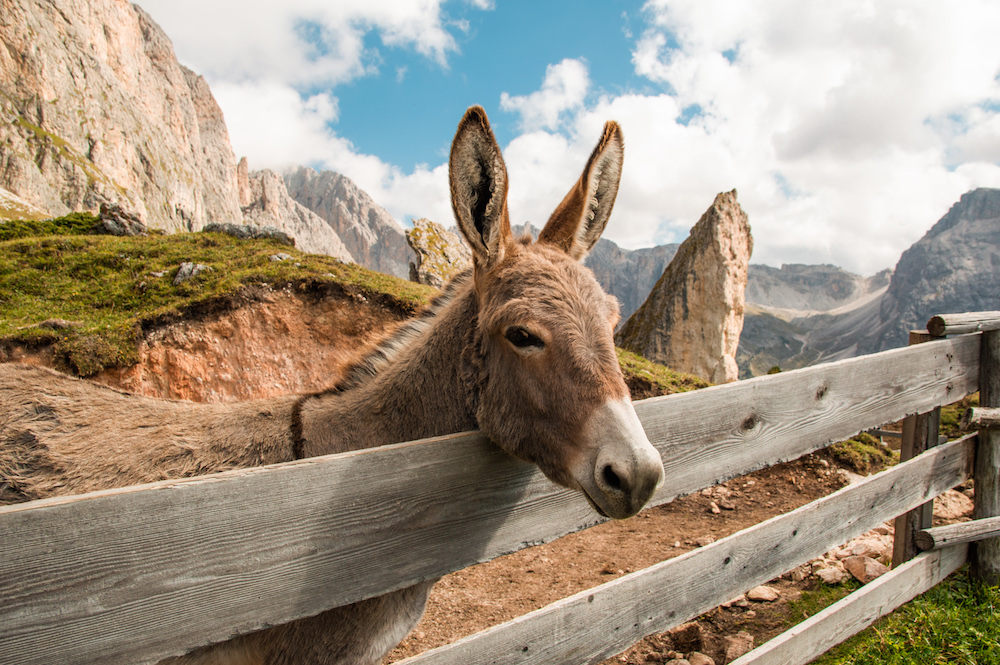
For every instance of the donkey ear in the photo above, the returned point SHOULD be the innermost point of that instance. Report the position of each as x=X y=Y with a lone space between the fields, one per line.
x=478 y=180
x=581 y=217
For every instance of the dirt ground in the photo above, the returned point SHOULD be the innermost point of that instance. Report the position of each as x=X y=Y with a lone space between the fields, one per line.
x=476 y=598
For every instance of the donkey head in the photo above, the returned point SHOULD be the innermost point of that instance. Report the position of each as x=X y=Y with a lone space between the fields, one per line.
x=550 y=390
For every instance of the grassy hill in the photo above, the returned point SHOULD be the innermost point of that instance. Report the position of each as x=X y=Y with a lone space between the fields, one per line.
x=91 y=298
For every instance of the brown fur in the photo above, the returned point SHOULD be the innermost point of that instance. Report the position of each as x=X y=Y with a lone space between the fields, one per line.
x=452 y=369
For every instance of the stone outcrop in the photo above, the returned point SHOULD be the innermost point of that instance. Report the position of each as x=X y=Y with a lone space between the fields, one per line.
x=440 y=254
x=271 y=206
x=372 y=236
x=692 y=320
x=629 y=275
x=96 y=109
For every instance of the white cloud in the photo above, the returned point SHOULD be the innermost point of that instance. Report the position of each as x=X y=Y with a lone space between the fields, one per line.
x=563 y=89
x=836 y=121
x=300 y=42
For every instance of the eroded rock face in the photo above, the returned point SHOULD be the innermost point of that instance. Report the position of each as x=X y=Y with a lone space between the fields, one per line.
x=692 y=320
x=271 y=206
x=96 y=109
x=440 y=254
x=372 y=236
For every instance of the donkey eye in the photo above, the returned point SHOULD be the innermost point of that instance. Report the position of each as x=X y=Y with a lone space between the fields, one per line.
x=522 y=339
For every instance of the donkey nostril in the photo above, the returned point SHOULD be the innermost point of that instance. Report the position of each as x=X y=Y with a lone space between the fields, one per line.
x=611 y=478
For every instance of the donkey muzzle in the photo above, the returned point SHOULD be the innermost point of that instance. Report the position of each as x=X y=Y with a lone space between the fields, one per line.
x=621 y=469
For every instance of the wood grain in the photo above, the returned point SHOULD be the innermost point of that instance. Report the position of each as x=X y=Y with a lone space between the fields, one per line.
x=920 y=432
x=819 y=633
x=986 y=553
x=980 y=417
x=958 y=324
x=138 y=574
x=955 y=534
x=596 y=624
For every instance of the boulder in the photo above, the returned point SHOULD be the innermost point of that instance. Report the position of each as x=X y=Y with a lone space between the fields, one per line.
x=864 y=568
x=692 y=320
x=440 y=254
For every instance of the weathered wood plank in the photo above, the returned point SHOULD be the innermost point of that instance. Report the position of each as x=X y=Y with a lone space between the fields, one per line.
x=960 y=324
x=986 y=553
x=956 y=534
x=595 y=624
x=135 y=575
x=821 y=632
x=980 y=417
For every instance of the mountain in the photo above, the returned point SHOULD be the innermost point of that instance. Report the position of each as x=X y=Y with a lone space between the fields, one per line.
x=954 y=268
x=370 y=233
x=96 y=109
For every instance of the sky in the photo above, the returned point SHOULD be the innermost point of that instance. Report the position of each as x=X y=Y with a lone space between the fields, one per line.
x=848 y=128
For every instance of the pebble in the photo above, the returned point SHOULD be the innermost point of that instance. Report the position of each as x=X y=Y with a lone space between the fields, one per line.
x=697 y=658
x=714 y=508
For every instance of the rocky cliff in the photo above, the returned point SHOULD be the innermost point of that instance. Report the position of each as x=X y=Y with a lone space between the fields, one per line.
x=96 y=109
x=692 y=320
x=629 y=275
x=372 y=236
x=955 y=267
x=265 y=202
x=809 y=287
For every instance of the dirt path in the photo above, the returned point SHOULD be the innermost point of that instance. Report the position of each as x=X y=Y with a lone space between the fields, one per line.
x=476 y=598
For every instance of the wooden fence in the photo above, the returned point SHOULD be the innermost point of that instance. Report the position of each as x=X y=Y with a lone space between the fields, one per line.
x=141 y=573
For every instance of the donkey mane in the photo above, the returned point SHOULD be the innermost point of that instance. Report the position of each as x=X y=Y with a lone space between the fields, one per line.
x=367 y=367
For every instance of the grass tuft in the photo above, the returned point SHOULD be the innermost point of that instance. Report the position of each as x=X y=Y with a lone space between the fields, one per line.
x=956 y=622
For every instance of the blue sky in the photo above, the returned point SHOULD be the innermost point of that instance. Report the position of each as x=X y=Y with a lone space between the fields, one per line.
x=848 y=128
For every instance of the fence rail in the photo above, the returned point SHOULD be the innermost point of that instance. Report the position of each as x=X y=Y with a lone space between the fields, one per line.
x=142 y=573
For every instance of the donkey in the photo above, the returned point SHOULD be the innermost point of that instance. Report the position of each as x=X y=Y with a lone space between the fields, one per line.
x=519 y=346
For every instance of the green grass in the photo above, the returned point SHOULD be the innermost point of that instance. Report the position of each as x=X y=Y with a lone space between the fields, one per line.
x=658 y=375
x=113 y=288
x=956 y=622
x=864 y=453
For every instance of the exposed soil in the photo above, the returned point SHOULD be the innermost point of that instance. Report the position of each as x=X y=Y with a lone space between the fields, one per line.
x=481 y=596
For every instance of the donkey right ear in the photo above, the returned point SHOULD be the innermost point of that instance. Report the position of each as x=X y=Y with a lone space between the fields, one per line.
x=478 y=180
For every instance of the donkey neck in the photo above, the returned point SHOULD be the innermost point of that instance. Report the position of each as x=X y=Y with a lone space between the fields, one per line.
x=421 y=390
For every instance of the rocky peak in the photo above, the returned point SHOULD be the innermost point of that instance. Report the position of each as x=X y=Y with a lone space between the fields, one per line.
x=692 y=320
x=369 y=232
x=954 y=268
x=270 y=205
x=97 y=109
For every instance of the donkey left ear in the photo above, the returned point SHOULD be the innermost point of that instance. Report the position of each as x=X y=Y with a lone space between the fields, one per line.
x=478 y=180
x=580 y=219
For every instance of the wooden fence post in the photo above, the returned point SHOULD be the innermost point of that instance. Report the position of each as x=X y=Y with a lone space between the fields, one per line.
x=920 y=432
x=985 y=554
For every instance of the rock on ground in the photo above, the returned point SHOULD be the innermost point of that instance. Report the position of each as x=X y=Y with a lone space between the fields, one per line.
x=692 y=320
x=737 y=645
x=864 y=569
